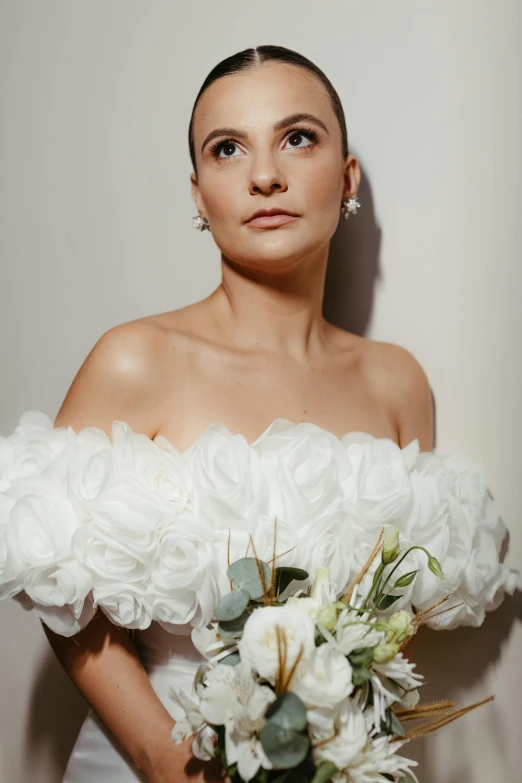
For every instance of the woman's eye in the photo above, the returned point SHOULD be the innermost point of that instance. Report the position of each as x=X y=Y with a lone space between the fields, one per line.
x=227 y=147
x=299 y=135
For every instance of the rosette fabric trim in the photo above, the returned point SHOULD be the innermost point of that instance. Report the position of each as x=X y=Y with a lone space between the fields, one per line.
x=144 y=531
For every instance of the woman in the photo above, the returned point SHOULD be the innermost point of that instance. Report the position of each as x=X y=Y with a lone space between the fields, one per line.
x=272 y=175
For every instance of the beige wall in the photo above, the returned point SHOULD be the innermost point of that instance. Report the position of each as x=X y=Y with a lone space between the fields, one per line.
x=95 y=217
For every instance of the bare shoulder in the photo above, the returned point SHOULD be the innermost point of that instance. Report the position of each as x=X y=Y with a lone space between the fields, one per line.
x=403 y=384
x=121 y=378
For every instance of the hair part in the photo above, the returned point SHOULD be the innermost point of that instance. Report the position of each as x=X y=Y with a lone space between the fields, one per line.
x=250 y=59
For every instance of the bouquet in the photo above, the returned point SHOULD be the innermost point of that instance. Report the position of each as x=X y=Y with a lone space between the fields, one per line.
x=312 y=688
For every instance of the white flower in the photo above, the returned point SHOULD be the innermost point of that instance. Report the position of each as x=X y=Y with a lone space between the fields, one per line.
x=325 y=679
x=377 y=758
x=353 y=633
x=378 y=487
x=259 y=648
x=194 y=724
x=350 y=737
x=230 y=490
x=305 y=604
x=234 y=699
x=390 y=682
x=330 y=542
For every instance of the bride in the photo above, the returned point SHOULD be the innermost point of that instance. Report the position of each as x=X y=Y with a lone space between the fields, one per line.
x=272 y=177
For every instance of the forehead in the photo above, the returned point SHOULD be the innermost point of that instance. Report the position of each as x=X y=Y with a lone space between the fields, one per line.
x=256 y=99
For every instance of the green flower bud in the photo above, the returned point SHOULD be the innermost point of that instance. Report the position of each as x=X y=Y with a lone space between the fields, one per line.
x=401 y=626
x=386 y=652
x=321 y=582
x=390 y=548
x=327 y=615
x=434 y=566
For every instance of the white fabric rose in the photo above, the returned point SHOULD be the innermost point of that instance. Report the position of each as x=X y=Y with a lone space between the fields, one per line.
x=378 y=487
x=259 y=648
x=304 y=465
x=33 y=450
x=183 y=578
x=230 y=490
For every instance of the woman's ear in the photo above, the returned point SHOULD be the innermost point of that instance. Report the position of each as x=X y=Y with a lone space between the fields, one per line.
x=352 y=177
x=196 y=195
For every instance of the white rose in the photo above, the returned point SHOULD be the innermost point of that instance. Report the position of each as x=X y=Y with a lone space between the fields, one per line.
x=325 y=680
x=258 y=646
x=378 y=487
x=230 y=489
x=305 y=466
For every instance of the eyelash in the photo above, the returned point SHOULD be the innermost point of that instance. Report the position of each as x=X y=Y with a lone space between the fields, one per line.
x=215 y=149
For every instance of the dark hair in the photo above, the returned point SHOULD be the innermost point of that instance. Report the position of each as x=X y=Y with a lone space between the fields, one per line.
x=249 y=59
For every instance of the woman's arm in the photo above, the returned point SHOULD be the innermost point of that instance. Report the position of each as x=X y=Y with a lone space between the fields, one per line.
x=121 y=379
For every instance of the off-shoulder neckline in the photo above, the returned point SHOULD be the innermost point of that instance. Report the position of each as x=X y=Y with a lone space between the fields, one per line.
x=276 y=426
x=40 y=420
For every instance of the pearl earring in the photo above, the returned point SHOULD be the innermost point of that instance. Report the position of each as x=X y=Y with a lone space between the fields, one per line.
x=201 y=223
x=349 y=207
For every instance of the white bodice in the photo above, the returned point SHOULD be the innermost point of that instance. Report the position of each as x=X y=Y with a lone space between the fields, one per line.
x=146 y=531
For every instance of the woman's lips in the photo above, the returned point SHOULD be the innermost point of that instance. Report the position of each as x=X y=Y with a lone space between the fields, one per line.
x=271 y=221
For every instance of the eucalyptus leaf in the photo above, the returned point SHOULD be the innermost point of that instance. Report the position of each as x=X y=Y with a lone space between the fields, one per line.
x=287 y=712
x=287 y=574
x=231 y=660
x=244 y=574
x=285 y=748
x=232 y=605
x=233 y=629
x=324 y=772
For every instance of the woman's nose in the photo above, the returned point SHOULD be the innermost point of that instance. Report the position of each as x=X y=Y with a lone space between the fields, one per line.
x=266 y=175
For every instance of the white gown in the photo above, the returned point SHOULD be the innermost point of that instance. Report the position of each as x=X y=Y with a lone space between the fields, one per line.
x=167 y=658
x=146 y=532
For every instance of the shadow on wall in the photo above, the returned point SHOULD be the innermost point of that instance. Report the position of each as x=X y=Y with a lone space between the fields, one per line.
x=354 y=267
x=473 y=652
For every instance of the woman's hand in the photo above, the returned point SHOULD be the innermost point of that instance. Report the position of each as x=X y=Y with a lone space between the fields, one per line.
x=176 y=764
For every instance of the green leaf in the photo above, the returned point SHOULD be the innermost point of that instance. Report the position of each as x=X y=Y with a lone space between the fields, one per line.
x=233 y=629
x=407 y=779
x=287 y=712
x=360 y=674
x=392 y=725
x=361 y=657
x=387 y=600
x=244 y=573
x=232 y=605
x=405 y=580
x=324 y=772
x=286 y=574
x=285 y=748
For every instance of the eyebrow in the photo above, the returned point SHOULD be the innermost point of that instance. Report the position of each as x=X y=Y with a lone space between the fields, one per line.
x=292 y=119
